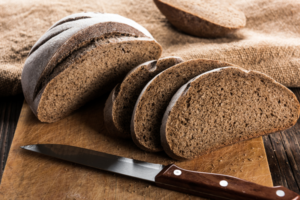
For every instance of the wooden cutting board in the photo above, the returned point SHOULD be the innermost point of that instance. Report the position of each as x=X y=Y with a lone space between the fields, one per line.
x=31 y=176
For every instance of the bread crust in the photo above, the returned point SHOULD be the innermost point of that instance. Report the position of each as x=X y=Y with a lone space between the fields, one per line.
x=193 y=24
x=65 y=37
x=184 y=89
x=108 y=114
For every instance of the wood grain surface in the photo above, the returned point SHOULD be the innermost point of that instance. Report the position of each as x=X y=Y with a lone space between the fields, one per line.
x=283 y=153
x=31 y=176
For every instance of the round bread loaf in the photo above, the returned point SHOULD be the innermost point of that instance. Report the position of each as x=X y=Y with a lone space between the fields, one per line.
x=202 y=18
x=82 y=56
x=222 y=107
x=120 y=103
x=155 y=97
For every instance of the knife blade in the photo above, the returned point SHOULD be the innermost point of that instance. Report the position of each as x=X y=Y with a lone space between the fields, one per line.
x=209 y=185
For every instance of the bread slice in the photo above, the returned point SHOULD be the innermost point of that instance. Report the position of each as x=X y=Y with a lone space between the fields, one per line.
x=202 y=18
x=155 y=97
x=80 y=57
x=222 y=107
x=120 y=103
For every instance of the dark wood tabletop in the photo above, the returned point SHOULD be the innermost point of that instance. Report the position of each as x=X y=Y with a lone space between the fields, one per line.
x=282 y=148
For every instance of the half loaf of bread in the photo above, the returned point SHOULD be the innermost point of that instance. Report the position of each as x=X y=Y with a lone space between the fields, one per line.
x=120 y=103
x=155 y=97
x=202 y=18
x=222 y=107
x=82 y=56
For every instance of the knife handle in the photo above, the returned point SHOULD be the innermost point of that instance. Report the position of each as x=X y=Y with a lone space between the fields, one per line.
x=217 y=186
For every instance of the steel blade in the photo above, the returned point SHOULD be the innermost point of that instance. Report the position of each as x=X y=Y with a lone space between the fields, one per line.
x=99 y=160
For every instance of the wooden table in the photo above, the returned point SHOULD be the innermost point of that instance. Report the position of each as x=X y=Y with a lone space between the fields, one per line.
x=282 y=147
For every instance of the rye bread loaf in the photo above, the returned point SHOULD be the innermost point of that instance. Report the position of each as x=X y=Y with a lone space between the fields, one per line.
x=155 y=97
x=222 y=107
x=82 y=56
x=120 y=103
x=202 y=18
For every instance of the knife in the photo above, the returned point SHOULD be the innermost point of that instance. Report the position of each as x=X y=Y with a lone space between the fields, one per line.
x=209 y=185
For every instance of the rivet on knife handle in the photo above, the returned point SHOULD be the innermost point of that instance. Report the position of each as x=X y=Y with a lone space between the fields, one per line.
x=217 y=186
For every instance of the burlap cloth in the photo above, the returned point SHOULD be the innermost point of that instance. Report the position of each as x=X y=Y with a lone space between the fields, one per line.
x=269 y=43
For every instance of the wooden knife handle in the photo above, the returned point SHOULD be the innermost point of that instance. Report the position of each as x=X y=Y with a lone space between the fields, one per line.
x=217 y=186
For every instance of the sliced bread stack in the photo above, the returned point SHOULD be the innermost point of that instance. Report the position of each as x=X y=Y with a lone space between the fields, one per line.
x=120 y=103
x=82 y=56
x=200 y=105
x=155 y=97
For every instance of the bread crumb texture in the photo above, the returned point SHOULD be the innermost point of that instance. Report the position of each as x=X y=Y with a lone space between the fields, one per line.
x=91 y=71
x=226 y=106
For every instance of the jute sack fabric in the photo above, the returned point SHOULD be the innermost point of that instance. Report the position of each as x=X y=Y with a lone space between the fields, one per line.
x=270 y=42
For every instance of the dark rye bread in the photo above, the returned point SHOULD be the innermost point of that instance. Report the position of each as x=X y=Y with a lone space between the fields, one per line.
x=155 y=97
x=120 y=103
x=82 y=56
x=222 y=107
x=202 y=18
